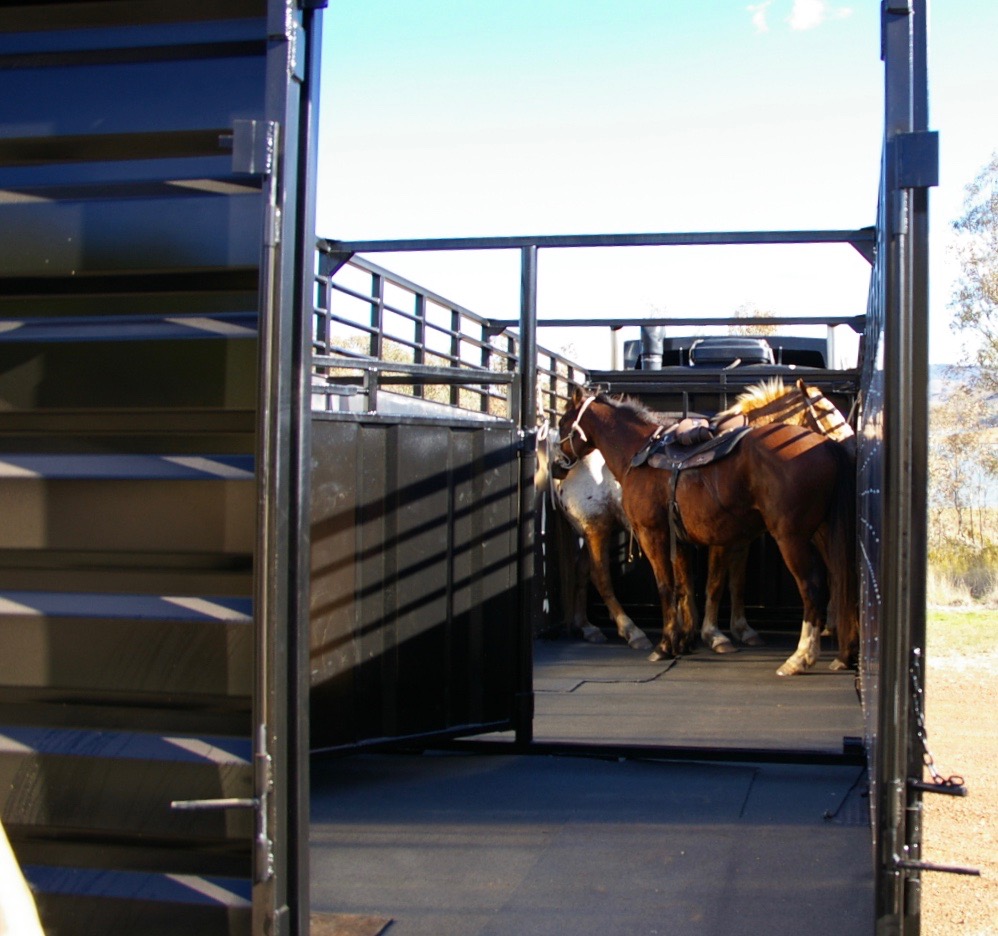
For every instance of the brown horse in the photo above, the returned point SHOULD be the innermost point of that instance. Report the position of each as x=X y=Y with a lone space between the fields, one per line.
x=588 y=496
x=794 y=483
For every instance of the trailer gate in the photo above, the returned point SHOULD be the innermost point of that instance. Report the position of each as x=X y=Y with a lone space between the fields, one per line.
x=158 y=341
x=157 y=227
x=893 y=476
x=892 y=444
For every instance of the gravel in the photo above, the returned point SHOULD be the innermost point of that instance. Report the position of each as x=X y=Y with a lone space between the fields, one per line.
x=961 y=702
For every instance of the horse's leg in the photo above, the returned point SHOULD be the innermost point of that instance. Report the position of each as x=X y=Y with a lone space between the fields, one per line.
x=580 y=622
x=685 y=600
x=598 y=537
x=655 y=546
x=718 y=560
x=848 y=655
x=847 y=631
x=806 y=568
x=628 y=630
x=830 y=624
x=737 y=566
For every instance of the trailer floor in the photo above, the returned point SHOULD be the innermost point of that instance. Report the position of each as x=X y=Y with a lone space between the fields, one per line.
x=608 y=692
x=462 y=843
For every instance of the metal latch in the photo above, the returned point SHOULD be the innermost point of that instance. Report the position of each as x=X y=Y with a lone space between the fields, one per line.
x=526 y=441
x=263 y=778
x=913 y=864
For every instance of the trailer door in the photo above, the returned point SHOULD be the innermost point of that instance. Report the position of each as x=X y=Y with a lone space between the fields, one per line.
x=155 y=195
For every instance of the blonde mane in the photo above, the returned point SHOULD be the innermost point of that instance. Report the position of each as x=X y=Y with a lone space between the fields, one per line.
x=765 y=402
x=772 y=401
x=758 y=396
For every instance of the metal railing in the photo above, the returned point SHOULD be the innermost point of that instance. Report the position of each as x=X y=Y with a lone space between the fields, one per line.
x=373 y=329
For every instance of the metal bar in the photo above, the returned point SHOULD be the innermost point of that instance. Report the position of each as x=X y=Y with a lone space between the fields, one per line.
x=849 y=756
x=361 y=263
x=466 y=374
x=419 y=334
x=682 y=239
x=899 y=805
x=528 y=577
x=455 y=351
x=420 y=327
x=915 y=865
x=231 y=802
x=855 y=322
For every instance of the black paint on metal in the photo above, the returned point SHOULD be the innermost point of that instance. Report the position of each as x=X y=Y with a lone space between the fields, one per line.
x=415 y=567
x=893 y=473
x=661 y=239
x=165 y=615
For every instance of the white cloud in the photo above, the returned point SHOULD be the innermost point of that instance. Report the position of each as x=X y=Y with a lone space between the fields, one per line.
x=809 y=14
x=758 y=11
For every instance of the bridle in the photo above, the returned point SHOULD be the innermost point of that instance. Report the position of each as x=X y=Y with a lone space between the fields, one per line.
x=577 y=430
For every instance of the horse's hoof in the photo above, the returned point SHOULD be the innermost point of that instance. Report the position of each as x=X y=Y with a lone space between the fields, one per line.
x=658 y=654
x=639 y=643
x=723 y=645
x=791 y=668
x=754 y=641
x=837 y=665
x=592 y=634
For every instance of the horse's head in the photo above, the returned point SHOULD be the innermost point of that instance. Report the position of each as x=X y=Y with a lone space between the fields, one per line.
x=574 y=444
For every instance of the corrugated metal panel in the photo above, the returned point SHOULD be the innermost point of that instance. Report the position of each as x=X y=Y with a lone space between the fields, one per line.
x=414 y=579
x=147 y=350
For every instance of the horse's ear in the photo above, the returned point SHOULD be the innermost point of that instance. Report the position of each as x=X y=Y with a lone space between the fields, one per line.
x=578 y=395
x=801 y=385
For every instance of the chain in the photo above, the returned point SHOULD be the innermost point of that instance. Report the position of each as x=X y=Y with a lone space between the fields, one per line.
x=951 y=783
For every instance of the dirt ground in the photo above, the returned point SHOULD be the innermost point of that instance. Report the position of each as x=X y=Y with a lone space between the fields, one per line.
x=961 y=701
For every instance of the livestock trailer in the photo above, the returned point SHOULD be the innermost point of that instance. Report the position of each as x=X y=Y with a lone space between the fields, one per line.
x=233 y=538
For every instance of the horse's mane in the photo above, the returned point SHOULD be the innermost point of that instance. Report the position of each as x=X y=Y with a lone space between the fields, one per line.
x=632 y=405
x=756 y=397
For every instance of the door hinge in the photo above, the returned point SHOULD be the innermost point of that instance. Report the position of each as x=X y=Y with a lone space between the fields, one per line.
x=254 y=146
x=272 y=230
x=263 y=769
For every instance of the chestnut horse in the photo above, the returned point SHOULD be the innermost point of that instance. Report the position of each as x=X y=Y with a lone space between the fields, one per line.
x=790 y=481
x=589 y=498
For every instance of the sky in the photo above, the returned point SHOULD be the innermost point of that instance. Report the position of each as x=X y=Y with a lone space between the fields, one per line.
x=446 y=118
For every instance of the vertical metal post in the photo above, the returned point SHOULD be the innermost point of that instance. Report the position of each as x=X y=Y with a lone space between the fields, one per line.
x=455 y=353
x=898 y=888
x=419 y=338
x=527 y=424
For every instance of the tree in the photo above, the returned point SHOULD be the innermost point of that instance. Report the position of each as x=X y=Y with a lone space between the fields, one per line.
x=975 y=295
x=962 y=467
x=747 y=311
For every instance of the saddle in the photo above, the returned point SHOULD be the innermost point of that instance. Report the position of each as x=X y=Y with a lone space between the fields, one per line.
x=691 y=443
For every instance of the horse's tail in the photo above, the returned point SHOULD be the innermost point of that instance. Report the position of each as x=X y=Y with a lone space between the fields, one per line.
x=843 y=605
